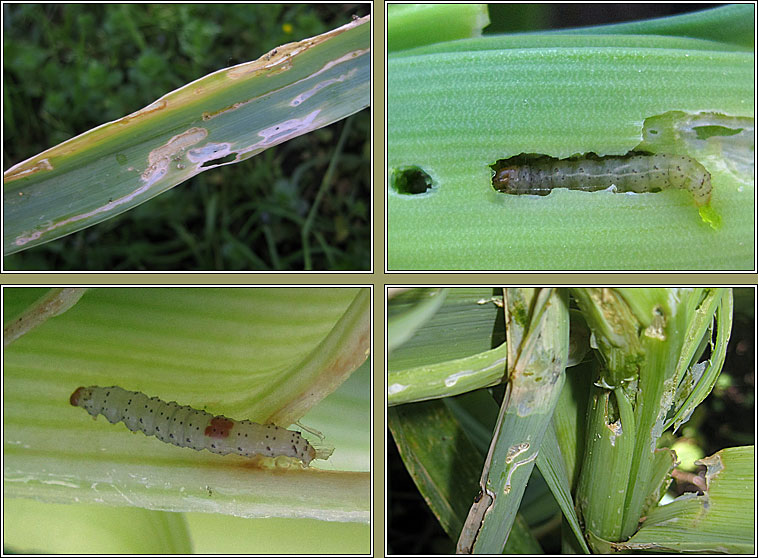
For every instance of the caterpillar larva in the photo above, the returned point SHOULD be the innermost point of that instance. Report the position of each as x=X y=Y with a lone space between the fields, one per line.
x=186 y=427
x=634 y=172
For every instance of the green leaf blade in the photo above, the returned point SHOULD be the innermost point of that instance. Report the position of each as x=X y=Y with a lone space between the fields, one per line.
x=718 y=521
x=411 y=25
x=485 y=105
x=227 y=116
x=730 y=24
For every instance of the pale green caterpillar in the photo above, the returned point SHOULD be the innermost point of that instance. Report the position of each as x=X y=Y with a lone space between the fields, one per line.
x=183 y=426
x=634 y=172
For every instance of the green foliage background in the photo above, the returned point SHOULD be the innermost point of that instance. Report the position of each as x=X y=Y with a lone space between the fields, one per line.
x=69 y=68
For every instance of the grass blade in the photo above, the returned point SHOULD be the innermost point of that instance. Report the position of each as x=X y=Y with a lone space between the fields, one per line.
x=436 y=452
x=412 y=25
x=410 y=312
x=443 y=379
x=223 y=118
x=730 y=24
x=536 y=377
x=719 y=521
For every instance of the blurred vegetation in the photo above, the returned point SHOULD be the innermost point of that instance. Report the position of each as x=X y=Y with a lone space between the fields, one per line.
x=71 y=67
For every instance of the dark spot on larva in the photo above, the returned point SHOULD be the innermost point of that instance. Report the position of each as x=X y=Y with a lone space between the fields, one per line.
x=220 y=427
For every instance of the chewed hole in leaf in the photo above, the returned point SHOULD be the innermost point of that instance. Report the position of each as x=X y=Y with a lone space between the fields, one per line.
x=411 y=180
x=221 y=160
